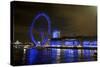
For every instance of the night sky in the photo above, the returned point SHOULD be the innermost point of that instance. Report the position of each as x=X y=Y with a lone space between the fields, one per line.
x=68 y=19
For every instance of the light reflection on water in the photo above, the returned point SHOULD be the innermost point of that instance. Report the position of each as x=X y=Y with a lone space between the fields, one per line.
x=53 y=55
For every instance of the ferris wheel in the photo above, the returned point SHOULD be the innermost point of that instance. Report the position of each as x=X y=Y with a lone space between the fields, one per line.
x=41 y=34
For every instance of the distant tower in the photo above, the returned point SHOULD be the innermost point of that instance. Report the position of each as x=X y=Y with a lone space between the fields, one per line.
x=56 y=34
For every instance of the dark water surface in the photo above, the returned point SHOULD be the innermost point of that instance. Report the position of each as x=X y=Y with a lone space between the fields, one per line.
x=53 y=55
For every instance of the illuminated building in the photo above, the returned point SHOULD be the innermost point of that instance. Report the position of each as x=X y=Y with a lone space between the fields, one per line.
x=56 y=34
x=56 y=42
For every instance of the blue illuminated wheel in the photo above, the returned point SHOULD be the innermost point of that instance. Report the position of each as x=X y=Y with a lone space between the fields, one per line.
x=32 y=27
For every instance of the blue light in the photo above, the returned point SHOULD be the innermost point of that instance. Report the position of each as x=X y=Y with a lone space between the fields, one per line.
x=54 y=55
x=32 y=26
x=68 y=55
x=31 y=55
x=94 y=43
x=86 y=43
x=71 y=42
x=55 y=43
x=56 y=34
x=86 y=53
x=71 y=55
x=54 y=51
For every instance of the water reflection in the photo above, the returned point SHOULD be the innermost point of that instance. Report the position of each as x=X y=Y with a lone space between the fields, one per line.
x=59 y=52
x=54 y=55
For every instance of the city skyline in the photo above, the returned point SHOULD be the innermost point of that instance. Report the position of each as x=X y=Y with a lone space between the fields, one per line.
x=44 y=33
